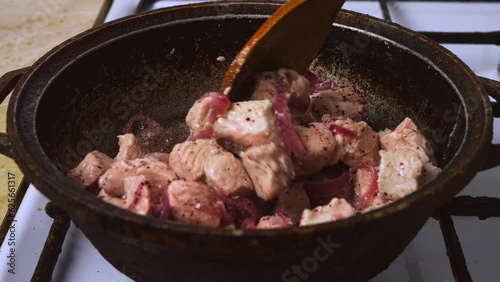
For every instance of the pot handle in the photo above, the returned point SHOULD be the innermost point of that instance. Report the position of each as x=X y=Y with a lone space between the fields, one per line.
x=493 y=89
x=7 y=83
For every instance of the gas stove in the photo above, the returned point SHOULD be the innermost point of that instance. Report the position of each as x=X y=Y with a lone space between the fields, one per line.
x=457 y=246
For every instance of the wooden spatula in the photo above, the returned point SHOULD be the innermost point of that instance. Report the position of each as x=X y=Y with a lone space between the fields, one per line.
x=291 y=38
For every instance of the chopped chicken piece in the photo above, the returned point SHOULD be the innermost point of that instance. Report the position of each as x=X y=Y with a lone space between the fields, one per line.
x=377 y=202
x=399 y=174
x=364 y=179
x=344 y=101
x=130 y=148
x=137 y=197
x=407 y=136
x=193 y=203
x=249 y=123
x=90 y=168
x=137 y=194
x=116 y=201
x=354 y=151
x=204 y=160
x=270 y=169
x=293 y=201
x=158 y=174
x=320 y=145
x=335 y=210
x=294 y=86
x=274 y=221
x=197 y=114
x=287 y=81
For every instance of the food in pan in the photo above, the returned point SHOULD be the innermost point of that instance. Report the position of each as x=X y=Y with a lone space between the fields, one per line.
x=296 y=153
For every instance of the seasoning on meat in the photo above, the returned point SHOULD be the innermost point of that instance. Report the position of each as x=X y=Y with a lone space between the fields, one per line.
x=249 y=123
x=204 y=160
x=130 y=148
x=90 y=168
x=340 y=101
x=193 y=203
x=270 y=168
x=400 y=172
x=288 y=82
x=407 y=136
x=158 y=173
x=320 y=144
x=335 y=210
x=137 y=196
x=354 y=151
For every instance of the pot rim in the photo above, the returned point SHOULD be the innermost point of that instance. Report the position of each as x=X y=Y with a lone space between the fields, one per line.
x=30 y=156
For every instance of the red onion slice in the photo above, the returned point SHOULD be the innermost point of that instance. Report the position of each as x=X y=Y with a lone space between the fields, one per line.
x=248 y=224
x=239 y=208
x=93 y=187
x=226 y=217
x=162 y=208
x=312 y=78
x=154 y=129
x=219 y=107
x=290 y=137
x=362 y=202
x=323 y=192
x=142 y=200
x=342 y=130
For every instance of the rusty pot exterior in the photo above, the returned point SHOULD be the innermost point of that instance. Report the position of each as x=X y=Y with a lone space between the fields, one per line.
x=78 y=97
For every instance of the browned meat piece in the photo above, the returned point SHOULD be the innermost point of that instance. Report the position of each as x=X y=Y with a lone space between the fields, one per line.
x=358 y=150
x=399 y=174
x=158 y=174
x=274 y=221
x=249 y=123
x=130 y=148
x=295 y=87
x=197 y=115
x=407 y=136
x=344 y=101
x=90 y=168
x=320 y=144
x=335 y=210
x=204 y=160
x=270 y=168
x=293 y=201
x=193 y=203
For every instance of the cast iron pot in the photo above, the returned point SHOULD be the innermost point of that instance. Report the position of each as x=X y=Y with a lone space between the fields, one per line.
x=77 y=98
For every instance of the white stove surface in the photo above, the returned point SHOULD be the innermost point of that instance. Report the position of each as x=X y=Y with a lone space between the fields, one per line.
x=424 y=259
